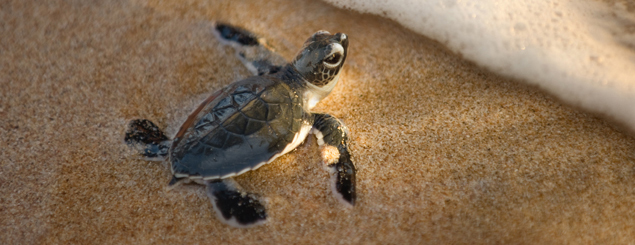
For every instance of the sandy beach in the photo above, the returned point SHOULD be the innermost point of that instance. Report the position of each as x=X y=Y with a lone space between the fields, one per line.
x=446 y=152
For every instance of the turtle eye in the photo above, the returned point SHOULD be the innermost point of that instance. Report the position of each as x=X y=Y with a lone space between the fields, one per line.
x=333 y=59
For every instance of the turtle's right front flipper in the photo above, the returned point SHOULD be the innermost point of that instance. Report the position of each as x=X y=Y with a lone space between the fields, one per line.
x=252 y=51
x=233 y=206
x=147 y=138
x=332 y=137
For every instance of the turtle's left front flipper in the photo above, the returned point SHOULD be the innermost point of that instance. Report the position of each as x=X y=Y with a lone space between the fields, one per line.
x=253 y=51
x=332 y=137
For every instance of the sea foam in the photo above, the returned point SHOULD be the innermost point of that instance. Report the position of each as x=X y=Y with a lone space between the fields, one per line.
x=581 y=51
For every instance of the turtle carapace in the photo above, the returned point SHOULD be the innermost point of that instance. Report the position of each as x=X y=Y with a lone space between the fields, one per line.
x=253 y=121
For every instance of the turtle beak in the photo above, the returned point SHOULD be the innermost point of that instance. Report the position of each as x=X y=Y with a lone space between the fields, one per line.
x=342 y=39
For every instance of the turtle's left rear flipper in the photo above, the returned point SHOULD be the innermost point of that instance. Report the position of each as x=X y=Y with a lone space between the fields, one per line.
x=233 y=206
x=333 y=140
x=252 y=50
x=147 y=138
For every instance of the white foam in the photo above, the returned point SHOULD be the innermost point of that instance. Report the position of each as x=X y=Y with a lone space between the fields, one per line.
x=580 y=50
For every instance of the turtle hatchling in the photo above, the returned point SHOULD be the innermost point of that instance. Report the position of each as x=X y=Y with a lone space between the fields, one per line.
x=253 y=121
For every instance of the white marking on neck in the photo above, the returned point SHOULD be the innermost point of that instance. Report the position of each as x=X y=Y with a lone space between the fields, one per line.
x=315 y=94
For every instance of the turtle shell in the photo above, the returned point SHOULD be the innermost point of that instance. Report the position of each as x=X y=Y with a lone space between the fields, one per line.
x=237 y=129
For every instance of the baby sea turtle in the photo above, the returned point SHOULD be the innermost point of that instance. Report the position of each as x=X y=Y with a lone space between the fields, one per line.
x=253 y=121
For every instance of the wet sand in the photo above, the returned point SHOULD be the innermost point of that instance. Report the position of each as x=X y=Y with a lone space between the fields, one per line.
x=446 y=152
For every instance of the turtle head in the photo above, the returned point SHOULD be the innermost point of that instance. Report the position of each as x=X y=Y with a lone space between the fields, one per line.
x=321 y=59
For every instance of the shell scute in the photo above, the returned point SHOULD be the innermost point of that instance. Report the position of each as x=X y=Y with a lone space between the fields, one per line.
x=253 y=126
x=242 y=98
x=233 y=140
x=216 y=140
x=256 y=110
x=223 y=113
x=224 y=103
x=205 y=122
x=274 y=96
x=274 y=111
x=236 y=124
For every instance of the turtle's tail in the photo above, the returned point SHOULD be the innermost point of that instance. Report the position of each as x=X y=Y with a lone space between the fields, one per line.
x=145 y=136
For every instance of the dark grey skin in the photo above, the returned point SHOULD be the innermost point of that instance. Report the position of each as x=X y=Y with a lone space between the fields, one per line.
x=253 y=121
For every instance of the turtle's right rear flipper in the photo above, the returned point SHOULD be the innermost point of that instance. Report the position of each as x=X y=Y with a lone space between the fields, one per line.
x=147 y=138
x=233 y=206
x=252 y=50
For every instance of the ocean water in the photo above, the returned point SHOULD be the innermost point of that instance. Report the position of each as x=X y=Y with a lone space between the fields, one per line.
x=581 y=51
